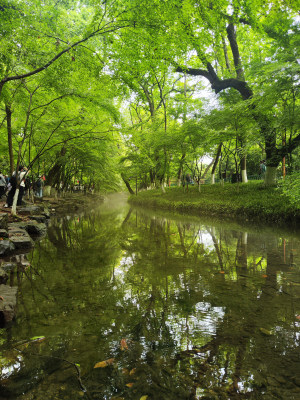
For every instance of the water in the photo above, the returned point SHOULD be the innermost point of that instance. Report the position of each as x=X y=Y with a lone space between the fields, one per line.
x=171 y=308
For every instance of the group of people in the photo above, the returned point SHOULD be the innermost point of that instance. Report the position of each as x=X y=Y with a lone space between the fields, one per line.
x=8 y=186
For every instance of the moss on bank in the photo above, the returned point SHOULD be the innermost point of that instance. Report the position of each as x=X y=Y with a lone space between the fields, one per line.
x=250 y=201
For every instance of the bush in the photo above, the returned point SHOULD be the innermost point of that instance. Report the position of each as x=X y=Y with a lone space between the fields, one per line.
x=291 y=188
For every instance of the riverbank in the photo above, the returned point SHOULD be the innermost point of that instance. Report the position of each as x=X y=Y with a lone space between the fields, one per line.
x=251 y=201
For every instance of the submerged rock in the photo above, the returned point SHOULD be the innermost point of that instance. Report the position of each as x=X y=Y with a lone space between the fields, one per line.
x=5 y=270
x=6 y=247
x=8 y=302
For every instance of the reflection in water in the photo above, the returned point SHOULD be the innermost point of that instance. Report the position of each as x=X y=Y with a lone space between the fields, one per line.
x=180 y=310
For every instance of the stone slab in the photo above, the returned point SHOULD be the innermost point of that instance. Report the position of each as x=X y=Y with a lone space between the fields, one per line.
x=29 y=210
x=20 y=238
x=32 y=227
x=38 y=218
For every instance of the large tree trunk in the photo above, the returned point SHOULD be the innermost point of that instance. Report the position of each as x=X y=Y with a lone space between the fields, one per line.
x=270 y=177
x=272 y=157
x=55 y=172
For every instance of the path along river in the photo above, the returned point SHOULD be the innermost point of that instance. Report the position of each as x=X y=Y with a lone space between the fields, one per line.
x=166 y=307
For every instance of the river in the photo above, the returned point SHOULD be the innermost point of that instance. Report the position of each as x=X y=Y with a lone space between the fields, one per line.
x=121 y=303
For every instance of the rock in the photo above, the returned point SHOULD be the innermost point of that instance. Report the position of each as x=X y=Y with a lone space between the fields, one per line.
x=20 y=238
x=29 y=210
x=3 y=221
x=36 y=228
x=3 y=233
x=6 y=247
x=5 y=270
x=9 y=302
x=39 y=218
x=46 y=213
x=32 y=227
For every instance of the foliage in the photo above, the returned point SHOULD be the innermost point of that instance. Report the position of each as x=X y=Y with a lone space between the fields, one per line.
x=290 y=187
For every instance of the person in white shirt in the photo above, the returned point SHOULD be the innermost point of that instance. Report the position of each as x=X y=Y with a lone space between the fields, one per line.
x=22 y=175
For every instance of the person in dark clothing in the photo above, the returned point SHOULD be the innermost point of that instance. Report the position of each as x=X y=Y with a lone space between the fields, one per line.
x=262 y=168
x=2 y=184
x=12 y=186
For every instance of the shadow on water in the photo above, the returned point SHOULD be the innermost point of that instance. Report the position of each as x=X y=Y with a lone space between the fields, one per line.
x=168 y=308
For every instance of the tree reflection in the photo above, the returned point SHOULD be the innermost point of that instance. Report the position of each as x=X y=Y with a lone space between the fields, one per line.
x=207 y=311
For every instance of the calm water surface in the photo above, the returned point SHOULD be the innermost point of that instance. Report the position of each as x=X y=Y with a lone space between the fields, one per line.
x=164 y=307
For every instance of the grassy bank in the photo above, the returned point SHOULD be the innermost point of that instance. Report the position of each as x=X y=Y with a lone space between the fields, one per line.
x=250 y=201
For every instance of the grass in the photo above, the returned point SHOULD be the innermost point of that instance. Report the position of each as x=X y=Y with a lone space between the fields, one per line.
x=250 y=201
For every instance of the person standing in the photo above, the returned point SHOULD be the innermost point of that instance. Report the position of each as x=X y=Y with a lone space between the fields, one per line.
x=39 y=183
x=2 y=185
x=22 y=176
x=12 y=186
x=262 y=168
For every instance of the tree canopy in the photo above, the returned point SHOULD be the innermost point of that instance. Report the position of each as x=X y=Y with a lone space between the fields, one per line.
x=104 y=92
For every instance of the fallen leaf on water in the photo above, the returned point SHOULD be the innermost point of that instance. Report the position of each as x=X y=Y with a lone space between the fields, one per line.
x=37 y=339
x=265 y=331
x=105 y=363
x=132 y=372
x=123 y=344
x=129 y=384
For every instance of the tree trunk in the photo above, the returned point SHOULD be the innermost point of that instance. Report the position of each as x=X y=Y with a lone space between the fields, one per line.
x=215 y=164
x=213 y=179
x=14 y=204
x=272 y=158
x=54 y=174
x=244 y=169
x=179 y=174
x=127 y=183
x=270 y=178
x=9 y=137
